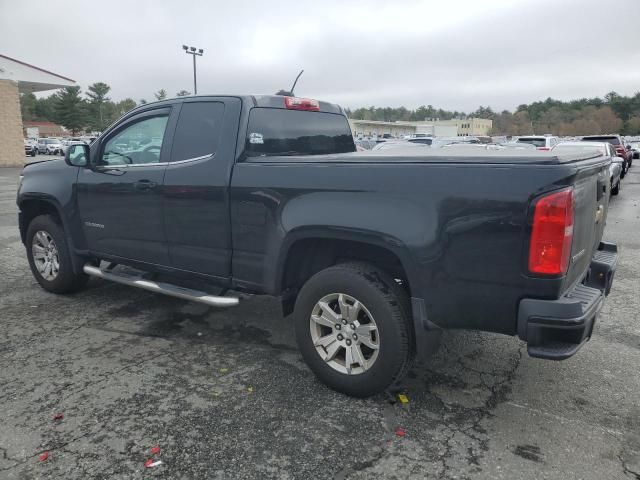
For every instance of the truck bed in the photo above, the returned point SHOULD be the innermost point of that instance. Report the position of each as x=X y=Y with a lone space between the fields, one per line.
x=459 y=223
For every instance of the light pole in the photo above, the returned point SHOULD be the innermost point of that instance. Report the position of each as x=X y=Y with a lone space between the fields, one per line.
x=193 y=51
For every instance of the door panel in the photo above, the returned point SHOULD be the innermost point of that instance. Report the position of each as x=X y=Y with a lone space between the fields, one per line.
x=197 y=222
x=120 y=197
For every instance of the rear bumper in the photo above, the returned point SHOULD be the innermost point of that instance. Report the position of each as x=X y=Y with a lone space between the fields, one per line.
x=556 y=329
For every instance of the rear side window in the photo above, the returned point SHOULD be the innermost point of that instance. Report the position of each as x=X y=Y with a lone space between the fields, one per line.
x=538 y=142
x=198 y=130
x=277 y=132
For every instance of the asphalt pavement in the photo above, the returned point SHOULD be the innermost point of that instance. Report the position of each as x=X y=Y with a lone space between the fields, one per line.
x=225 y=393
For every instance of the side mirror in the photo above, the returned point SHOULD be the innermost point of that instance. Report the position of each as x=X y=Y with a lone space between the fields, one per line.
x=77 y=155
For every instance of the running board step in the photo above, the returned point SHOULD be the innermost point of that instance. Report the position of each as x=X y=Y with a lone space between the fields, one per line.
x=160 y=287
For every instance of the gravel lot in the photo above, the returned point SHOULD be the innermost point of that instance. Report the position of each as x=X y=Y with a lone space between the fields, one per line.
x=226 y=395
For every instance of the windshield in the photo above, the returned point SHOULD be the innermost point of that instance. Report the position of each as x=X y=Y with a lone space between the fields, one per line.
x=277 y=132
x=611 y=140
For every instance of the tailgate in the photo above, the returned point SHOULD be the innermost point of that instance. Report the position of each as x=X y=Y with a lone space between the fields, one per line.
x=591 y=196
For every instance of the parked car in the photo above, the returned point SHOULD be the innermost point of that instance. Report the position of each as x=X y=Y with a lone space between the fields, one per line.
x=633 y=149
x=617 y=143
x=421 y=140
x=617 y=167
x=489 y=146
x=365 y=144
x=541 y=142
x=518 y=146
x=50 y=146
x=395 y=144
x=30 y=148
x=439 y=142
x=374 y=253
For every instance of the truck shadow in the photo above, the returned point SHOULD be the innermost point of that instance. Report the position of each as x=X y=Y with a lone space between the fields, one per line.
x=471 y=369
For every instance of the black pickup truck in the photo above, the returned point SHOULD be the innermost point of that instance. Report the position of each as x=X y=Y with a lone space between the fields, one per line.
x=373 y=252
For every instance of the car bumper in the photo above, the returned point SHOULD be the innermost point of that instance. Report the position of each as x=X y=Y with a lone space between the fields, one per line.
x=556 y=329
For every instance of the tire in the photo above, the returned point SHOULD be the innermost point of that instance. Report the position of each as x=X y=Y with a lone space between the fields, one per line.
x=380 y=298
x=616 y=190
x=65 y=280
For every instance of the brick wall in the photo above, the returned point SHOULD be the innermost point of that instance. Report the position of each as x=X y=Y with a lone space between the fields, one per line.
x=11 y=139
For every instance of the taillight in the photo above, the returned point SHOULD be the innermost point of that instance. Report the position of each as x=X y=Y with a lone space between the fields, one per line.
x=544 y=148
x=552 y=233
x=295 y=103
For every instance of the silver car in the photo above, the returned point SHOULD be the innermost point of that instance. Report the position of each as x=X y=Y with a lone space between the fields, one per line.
x=617 y=167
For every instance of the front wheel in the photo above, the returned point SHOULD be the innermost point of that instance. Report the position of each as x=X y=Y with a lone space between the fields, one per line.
x=353 y=328
x=49 y=257
x=616 y=190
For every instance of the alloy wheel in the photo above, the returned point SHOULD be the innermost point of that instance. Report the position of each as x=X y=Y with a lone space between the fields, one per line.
x=344 y=333
x=45 y=255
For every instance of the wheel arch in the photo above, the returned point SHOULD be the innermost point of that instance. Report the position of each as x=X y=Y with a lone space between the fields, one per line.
x=34 y=206
x=307 y=251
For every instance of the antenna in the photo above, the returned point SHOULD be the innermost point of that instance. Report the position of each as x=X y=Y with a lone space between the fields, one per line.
x=296 y=81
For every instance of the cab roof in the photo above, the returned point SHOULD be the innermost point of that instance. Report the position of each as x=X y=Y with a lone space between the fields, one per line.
x=264 y=101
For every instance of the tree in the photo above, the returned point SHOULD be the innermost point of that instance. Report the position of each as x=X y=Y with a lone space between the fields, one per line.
x=70 y=109
x=161 y=94
x=607 y=120
x=483 y=112
x=183 y=93
x=632 y=126
x=28 y=102
x=123 y=106
x=45 y=108
x=143 y=101
x=98 y=117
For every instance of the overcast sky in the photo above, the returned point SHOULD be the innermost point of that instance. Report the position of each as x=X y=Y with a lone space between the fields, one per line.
x=454 y=54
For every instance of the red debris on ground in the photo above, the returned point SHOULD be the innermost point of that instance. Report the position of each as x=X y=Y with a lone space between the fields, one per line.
x=155 y=450
x=152 y=463
x=58 y=416
x=400 y=432
x=43 y=456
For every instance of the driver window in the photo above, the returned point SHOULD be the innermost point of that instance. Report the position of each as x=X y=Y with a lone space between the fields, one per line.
x=139 y=143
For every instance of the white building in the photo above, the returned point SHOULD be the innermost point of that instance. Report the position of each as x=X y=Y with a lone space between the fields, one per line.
x=437 y=128
x=17 y=77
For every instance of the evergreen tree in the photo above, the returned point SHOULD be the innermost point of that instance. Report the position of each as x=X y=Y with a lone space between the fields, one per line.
x=183 y=93
x=99 y=112
x=161 y=94
x=70 y=109
x=28 y=102
x=124 y=106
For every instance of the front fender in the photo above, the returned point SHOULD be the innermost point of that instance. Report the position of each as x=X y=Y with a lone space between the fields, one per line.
x=53 y=182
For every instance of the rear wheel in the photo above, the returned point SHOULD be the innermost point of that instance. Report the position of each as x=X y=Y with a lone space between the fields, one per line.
x=353 y=328
x=49 y=257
